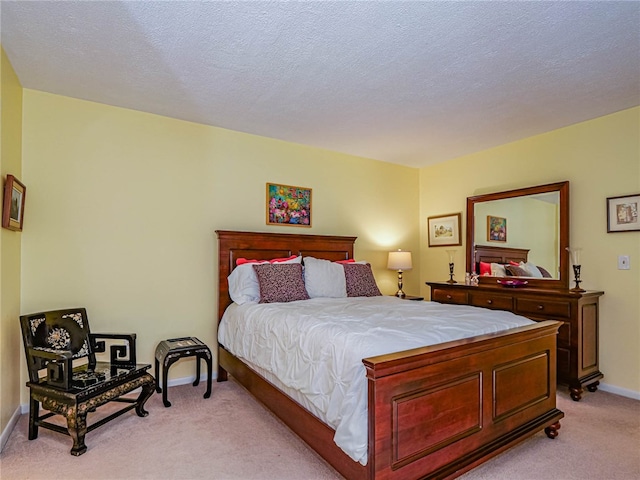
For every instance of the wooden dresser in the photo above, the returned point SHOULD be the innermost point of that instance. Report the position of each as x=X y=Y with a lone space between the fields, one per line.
x=577 y=338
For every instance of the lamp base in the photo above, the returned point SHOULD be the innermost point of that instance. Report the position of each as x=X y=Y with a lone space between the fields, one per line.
x=400 y=294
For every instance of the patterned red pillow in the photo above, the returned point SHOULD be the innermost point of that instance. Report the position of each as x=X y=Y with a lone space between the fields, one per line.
x=360 y=281
x=280 y=282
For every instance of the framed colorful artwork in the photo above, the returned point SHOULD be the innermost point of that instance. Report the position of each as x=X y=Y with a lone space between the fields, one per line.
x=622 y=213
x=288 y=205
x=13 y=205
x=496 y=229
x=444 y=230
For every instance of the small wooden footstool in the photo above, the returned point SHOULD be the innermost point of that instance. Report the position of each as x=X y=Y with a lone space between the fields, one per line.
x=170 y=351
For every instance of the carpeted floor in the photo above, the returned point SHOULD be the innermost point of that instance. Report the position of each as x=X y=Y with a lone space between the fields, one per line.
x=231 y=436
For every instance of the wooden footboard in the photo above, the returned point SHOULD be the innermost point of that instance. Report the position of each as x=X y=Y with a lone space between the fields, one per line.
x=438 y=411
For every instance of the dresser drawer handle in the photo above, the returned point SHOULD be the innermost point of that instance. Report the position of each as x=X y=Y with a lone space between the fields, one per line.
x=449 y=297
x=489 y=302
x=540 y=307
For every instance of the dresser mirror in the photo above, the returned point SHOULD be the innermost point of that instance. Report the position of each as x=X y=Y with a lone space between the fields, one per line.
x=527 y=226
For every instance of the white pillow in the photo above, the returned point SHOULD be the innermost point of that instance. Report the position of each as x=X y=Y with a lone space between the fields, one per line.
x=243 y=282
x=323 y=278
x=497 y=270
x=532 y=269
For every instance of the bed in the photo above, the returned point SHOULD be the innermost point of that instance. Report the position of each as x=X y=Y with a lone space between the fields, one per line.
x=473 y=385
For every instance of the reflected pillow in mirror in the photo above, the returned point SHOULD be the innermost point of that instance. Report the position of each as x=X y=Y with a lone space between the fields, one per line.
x=485 y=268
x=545 y=273
x=498 y=270
x=514 y=271
x=532 y=269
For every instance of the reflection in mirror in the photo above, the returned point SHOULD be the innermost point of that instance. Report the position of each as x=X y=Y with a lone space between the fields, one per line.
x=530 y=222
x=520 y=232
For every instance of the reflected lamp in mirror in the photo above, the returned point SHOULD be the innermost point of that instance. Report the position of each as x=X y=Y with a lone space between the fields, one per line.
x=400 y=261
x=574 y=253
x=452 y=257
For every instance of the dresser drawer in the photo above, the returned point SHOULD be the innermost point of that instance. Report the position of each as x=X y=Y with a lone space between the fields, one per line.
x=490 y=300
x=547 y=308
x=449 y=296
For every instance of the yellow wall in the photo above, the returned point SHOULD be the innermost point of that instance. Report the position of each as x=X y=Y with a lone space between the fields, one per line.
x=600 y=158
x=123 y=205
x=10 y=163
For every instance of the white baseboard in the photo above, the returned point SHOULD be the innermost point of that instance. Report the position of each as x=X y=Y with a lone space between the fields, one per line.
x=6 y=433
x=624 y=392
x=184 y=380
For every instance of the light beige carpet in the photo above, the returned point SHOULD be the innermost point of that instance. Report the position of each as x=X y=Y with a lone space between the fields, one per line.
x=231 y=436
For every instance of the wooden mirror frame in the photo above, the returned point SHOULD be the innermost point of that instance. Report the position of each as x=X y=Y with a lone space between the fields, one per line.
x=563 y=189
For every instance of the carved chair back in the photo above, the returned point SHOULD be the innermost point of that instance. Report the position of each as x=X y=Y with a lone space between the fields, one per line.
x=61 y=332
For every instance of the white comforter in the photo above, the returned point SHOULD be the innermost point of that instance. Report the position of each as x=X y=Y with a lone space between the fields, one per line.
x=313 y=349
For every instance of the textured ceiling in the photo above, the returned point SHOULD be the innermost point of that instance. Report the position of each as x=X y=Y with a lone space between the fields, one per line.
x=413 y=83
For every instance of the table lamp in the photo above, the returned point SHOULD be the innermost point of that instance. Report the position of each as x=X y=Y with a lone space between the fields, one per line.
x=399 y=261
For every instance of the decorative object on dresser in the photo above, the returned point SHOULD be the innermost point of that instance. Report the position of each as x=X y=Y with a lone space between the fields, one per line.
x=13 y=206
x=452 y=257
x=578 y=311
x=288 y=205
x=622 y=213
x=400 y=261
x=575 y=261
x=484 y=407
x=444 y=230
x=170 y=351
x=53 y=341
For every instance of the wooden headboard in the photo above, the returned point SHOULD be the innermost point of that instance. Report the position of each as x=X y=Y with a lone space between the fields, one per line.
x=491 y=254
x=233 y=245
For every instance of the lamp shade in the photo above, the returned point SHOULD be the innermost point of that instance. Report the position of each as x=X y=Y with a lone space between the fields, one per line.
x=399 y=260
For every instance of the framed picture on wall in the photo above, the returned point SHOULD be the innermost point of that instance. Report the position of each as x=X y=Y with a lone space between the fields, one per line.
x=288 y=205
x=13 y=205
x=622 y=213
x=444 y=230
x=496 y=229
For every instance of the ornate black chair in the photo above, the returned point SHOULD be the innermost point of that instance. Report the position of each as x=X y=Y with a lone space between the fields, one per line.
x=66 y=378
